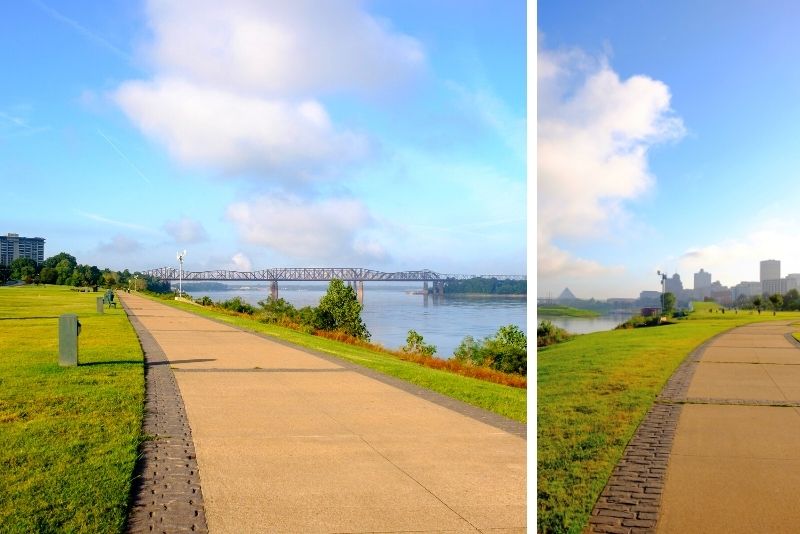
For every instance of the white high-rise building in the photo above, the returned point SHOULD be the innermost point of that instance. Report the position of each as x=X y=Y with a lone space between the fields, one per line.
x=771 y=277
x=702 y=279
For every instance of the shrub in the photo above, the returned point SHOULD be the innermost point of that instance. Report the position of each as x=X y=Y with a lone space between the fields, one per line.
x=506 y=351
x=548 y=334
x=236 y=304
x=416 y=344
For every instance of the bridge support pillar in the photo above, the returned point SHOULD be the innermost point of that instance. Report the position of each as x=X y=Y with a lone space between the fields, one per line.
x=360 y=291
x=438 y=288
x=273 y=290
x=425 y=287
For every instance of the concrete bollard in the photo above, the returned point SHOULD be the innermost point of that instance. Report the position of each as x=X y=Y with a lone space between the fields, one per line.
x=69 y=328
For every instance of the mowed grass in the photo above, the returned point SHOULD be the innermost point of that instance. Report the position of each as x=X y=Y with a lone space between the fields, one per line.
x=593 y=391
x=68 y=436
x=556 y=310
x=508 y=401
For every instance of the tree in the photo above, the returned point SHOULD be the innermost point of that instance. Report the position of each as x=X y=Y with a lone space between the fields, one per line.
x=23 y=268
x=757 y=302
x=777 y=301
x=5 y=274
x=339 y=310
x=52 y=261
x=668 y=304
x=48 y=275
x=415 y=344
x=791 y=300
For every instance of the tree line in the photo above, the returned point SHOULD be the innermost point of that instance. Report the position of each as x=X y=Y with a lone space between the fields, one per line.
x=486 y=286
x=63 y=269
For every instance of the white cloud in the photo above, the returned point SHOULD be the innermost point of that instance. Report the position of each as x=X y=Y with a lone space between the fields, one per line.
x=734 y=260
x=234 y=82
x=242 y=262
x=278 y=47
x=329 y=230
x=594 y=133
x=186 y=230
x=206 y=126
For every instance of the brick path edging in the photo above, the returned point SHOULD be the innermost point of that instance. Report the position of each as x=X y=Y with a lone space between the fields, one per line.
x=165 y=493
x=630 y=501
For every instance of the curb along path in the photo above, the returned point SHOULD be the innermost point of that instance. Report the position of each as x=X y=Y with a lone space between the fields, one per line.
x=717 y=452
x=290 y=441
x=165 y=494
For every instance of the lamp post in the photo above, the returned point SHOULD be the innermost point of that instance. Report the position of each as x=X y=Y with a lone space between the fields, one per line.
x=663 y=288
x=136 y=282
x=181 y=255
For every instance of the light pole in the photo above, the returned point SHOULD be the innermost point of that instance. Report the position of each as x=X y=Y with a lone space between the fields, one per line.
x=181 y=255
x=663 y=287
x=136 y=282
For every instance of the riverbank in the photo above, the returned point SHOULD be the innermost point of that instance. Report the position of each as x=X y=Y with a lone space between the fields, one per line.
x=592 y=392
x=564 y=311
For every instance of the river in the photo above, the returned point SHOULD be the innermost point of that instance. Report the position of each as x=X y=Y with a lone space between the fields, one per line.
x=391 y=310
x=587 y=325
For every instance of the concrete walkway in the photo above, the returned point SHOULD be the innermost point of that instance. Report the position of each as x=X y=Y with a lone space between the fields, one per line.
x=735 y=460
x=288 y=441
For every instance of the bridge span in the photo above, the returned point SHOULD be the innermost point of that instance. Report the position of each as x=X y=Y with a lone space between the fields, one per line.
x=353 y=275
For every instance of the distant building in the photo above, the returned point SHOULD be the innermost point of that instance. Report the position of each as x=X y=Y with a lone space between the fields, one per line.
x=702 y=279
x=566 y=296
x=792 y=281
x=12 y=246
x=770 y=270
x=674 y=285
x=771 y=277
x=748 y=289
x=648 y=298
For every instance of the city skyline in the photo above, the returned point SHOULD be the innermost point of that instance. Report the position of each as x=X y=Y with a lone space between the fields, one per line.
x=258 y=134
x=665 y=142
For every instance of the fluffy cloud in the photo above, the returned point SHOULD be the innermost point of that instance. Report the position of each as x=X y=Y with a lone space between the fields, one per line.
x=205 y=126
x=323 y=230
x=594 y=133
x=278 y=47
x=241 y=262
x=737 y=259
x=233 y=82
x=186 y=230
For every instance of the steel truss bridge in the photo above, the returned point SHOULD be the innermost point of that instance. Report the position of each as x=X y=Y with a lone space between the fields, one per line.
x=303 y=274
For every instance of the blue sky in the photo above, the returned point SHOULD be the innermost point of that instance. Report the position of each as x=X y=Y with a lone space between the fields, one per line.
x=667 y=139
x=255 y=134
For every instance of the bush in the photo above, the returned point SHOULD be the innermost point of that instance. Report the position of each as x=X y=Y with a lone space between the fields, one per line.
x=549 y=334
x=506 y=351
x=204 y=301
x=339 y=309
x=236 y=304
x=415 y=344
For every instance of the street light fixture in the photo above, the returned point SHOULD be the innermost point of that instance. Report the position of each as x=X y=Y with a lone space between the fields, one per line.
x=663 y=287
x=181 y=255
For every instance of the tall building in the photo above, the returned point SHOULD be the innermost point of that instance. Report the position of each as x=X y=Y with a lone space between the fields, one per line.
x=702 y=279
x=771 y=277
x=12 y=246
x=674 y=285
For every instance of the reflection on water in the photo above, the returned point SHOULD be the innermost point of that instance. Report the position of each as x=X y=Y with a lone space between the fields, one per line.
x=586 y=325
x=391 y=310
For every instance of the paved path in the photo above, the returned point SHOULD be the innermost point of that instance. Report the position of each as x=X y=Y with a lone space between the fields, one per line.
x=735 y=460
x=719 y=452
x=290 y=441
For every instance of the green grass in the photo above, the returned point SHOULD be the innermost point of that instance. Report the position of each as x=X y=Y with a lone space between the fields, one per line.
x=68 y=436
x=556 y=310
x=504 y=400
x=593 y=391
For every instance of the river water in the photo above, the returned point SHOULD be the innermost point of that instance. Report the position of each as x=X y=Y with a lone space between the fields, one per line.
x=587 y=325
x=391 y=310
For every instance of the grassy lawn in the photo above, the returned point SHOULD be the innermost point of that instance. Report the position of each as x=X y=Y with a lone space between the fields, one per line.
x=556 y=310
x=593 y=391
x=504 y=400
x=68 y=436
